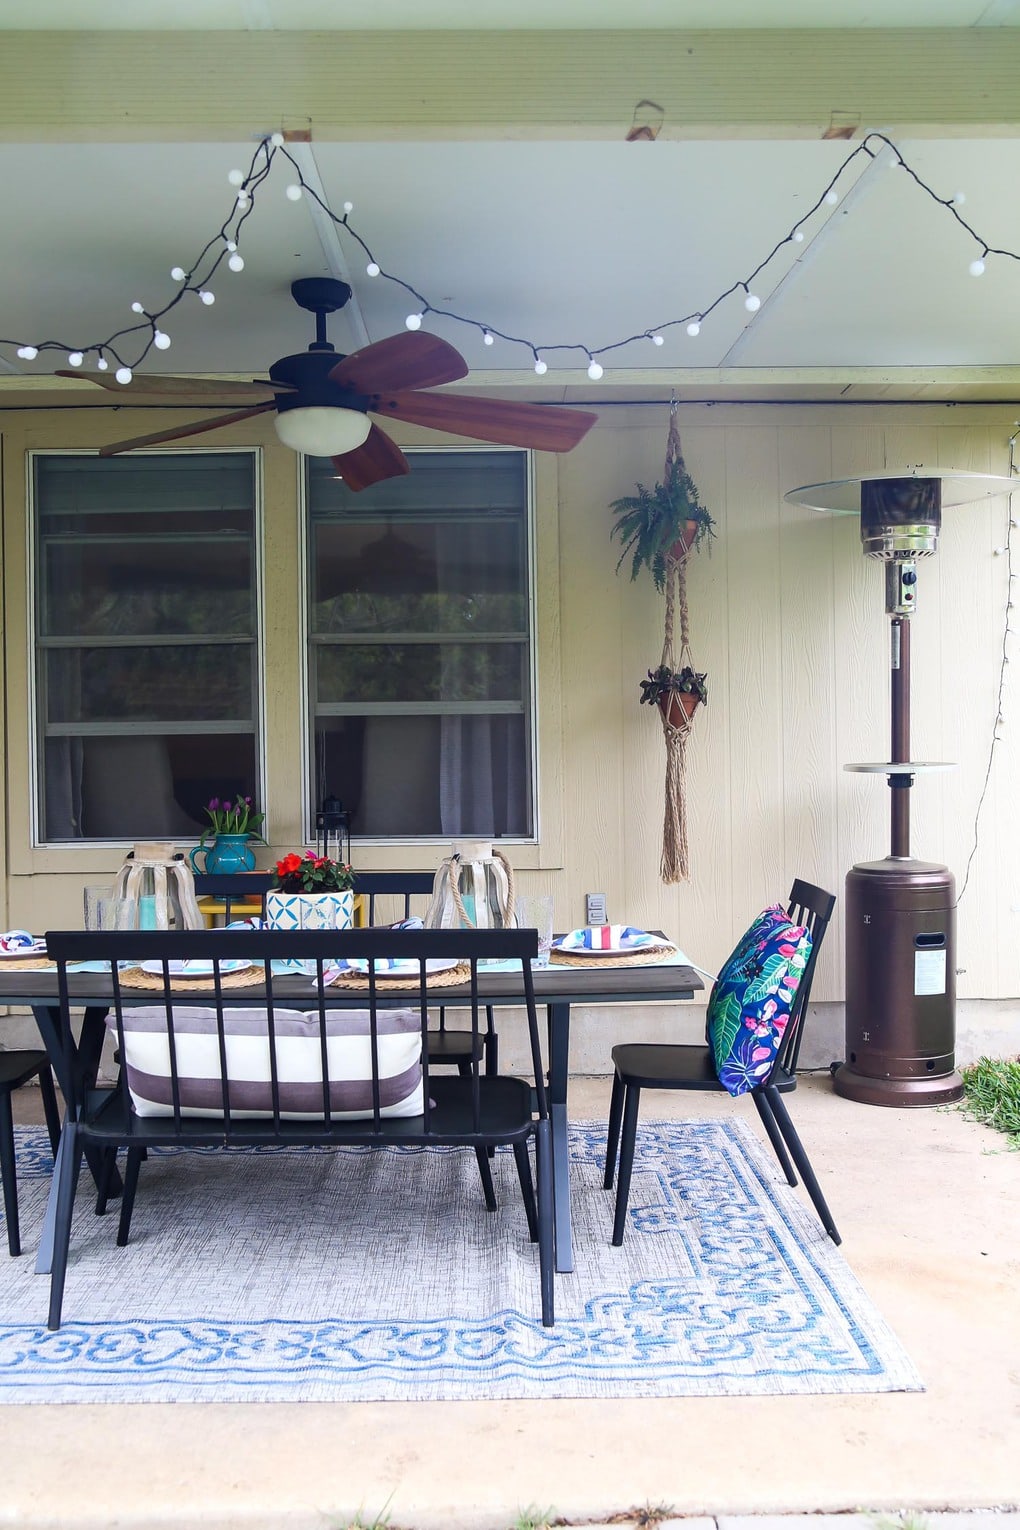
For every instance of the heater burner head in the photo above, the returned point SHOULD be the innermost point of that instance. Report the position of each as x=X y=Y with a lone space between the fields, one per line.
x=900 y=518
x=900 y=514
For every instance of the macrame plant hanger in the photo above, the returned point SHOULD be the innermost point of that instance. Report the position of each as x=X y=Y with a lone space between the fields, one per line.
x=677 y=722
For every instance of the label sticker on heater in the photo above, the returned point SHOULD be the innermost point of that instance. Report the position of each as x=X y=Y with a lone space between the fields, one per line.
x=929 y=972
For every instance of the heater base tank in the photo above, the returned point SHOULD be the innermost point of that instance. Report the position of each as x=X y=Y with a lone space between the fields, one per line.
x=900 y=984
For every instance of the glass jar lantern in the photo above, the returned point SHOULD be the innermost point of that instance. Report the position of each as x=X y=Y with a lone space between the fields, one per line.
x=333 y=831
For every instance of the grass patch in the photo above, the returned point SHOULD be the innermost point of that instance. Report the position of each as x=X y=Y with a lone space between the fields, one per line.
x=992 y=1095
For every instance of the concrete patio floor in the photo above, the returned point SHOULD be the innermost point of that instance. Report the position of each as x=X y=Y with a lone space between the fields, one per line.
x=928 y=1204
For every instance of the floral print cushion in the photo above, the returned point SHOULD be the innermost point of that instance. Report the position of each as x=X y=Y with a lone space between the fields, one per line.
x=753 y=995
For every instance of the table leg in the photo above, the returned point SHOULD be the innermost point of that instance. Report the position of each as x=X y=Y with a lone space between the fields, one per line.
x=558 y=1019
x=90 y=1047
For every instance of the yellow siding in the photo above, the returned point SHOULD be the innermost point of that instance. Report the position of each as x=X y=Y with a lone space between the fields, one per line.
x=787 y=618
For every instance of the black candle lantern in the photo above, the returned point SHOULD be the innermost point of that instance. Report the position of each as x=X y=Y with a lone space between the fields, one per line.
x=333 y=831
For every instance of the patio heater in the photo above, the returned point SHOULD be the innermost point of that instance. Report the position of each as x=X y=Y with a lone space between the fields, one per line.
x=900 y=912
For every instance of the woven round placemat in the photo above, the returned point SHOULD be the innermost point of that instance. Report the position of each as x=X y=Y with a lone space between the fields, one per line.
x=451 y=977
x=134 y=977
x=27 y=964
x=649 y=956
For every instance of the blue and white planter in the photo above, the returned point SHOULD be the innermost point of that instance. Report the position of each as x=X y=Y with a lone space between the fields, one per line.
x=310 y=911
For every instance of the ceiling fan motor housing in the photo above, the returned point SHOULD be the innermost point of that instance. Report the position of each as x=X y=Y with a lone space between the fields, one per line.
x=900 y=518
x=308 y=373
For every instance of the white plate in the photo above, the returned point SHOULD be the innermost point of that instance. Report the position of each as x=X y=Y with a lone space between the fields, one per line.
x=400 y=968
x=22 y=953
x=193 y=969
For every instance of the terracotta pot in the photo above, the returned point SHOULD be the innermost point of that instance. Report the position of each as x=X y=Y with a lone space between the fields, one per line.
x=678 y=705
x=685 y=542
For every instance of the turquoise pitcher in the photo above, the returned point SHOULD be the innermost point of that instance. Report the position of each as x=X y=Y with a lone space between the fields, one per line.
x=227 y=853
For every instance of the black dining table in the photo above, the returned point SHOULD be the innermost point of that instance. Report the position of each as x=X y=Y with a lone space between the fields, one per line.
x=558 y=987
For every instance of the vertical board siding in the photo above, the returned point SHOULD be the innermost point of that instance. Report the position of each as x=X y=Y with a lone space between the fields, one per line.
x=788 y=618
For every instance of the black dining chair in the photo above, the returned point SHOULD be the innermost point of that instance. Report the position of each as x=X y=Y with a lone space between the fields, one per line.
x=321 y=1065
x=640 y=1066
x=448 y=1046
x=18 y=1068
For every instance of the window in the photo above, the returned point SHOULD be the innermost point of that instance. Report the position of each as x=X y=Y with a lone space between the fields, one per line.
x=145 y=633
x=419 y=646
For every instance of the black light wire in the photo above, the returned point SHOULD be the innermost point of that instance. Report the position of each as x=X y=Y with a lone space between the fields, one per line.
x=216 y=250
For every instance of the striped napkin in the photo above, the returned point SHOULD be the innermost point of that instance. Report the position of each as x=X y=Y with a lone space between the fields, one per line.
x=608 y=937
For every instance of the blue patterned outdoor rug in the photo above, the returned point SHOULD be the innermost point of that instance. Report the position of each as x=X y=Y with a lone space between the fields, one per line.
x=310 y=1274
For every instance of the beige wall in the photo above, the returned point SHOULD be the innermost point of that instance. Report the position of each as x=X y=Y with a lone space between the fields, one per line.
x=788 y=620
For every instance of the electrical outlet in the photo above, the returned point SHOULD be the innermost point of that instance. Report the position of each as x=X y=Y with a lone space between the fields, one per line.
x=595 y=908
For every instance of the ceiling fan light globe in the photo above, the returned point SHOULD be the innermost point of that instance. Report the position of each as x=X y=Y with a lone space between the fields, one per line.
x=321 y=431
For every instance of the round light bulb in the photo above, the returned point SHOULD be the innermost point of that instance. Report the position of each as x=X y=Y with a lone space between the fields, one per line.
x=752 y=303
x=102 y=364
x=178 y=273
x=123 y=375
x=28 y=352
x=236 y=177
x=277 y=140
x=694 y=328
x=595 y=370
x=372 y=269
x=348 y=207
x=658 y=340
x=230 y=244
x=540 y=367
x=976 y=268
x=137 y=308
x=488 y=339
x=294 y=192
x=243 y=200
x=207 y=297
x=161 y=340
x=831 y=198
x=75 y=359
x=958 y=198
x=236 y=262
x=413 y=321
x=798 y=235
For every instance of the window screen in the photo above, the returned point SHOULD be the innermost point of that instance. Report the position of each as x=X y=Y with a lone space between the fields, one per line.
x=419 y=646
x=146 y=651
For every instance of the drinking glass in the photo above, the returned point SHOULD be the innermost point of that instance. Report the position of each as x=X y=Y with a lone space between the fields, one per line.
x=535 y=911
x=92 y=898
x=105 y=911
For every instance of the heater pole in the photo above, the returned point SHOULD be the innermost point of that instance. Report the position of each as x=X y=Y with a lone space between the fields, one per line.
x=900 y=699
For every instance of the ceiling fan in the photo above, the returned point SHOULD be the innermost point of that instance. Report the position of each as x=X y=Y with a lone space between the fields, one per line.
x=322 y=401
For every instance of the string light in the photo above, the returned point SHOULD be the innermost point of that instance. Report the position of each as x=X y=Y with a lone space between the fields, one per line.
x=206 y=296
x=413 y=321
x=124 y=375
x=75 y=359
x=540 y=366
x=595 y=370
x=141 y=337
x=658 y=339
x=102 y=364
x=161 y=340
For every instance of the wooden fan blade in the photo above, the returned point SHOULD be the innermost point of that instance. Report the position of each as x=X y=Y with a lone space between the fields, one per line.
x=197 y=428
x=176 y=387
x=414 y=360
x=375 y=459
x=547 y=428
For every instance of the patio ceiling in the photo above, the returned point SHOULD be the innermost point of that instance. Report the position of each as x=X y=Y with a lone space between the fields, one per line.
x=511 y=195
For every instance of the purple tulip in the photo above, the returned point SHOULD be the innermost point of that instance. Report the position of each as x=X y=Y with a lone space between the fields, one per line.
x=214 y=804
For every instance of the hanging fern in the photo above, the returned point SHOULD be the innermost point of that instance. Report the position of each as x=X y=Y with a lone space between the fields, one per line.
x=652 y=521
